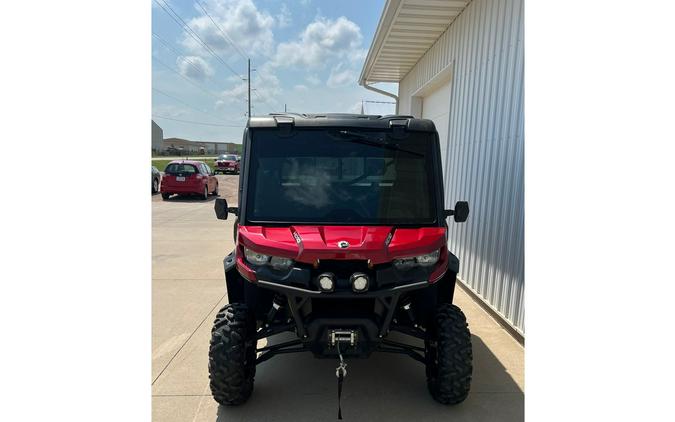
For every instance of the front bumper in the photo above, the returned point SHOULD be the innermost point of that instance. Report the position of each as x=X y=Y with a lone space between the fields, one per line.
x=402 y=303
x=302 y=292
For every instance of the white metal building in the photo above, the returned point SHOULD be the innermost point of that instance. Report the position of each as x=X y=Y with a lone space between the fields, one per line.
x=460 y=64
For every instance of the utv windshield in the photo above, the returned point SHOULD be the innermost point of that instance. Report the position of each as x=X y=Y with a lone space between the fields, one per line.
x=341 y=176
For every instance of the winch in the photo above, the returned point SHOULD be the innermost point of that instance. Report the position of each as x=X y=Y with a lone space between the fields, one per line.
x=343 y=336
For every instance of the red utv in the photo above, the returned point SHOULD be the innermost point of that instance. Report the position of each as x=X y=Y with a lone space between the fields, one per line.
x=227 y=163
x=188 y=177
x=341 y=239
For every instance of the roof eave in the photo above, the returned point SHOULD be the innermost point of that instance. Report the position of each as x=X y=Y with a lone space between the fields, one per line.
x=383 y=27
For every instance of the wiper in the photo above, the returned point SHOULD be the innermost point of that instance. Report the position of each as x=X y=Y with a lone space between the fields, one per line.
x=362 y=138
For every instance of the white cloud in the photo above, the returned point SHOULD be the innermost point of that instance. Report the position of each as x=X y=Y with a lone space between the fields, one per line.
x=313 y=79
x=339 y=77
x=300 y=87
x=194 y=67
x=284 y=16
x=236 y=94
x=267 y=88
x=249 y=28
x=266 y=83
x=358 y=56
x=321 y=40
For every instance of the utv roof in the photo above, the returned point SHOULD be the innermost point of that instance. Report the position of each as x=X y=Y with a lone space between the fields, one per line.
x=372 y=121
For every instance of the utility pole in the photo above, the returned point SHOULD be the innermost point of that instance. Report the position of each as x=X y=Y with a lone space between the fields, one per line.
x=284 y=107
x=249 y=88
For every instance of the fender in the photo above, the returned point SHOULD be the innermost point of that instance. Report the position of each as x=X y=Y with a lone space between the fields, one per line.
x=233 y=281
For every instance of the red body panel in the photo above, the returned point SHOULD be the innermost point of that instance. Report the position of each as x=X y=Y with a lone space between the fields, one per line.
x=372 y=243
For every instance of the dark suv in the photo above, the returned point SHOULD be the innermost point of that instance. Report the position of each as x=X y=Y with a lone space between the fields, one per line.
x=341 y=239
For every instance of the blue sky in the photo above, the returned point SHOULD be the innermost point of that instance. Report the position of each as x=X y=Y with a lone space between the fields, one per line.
x=308 y=54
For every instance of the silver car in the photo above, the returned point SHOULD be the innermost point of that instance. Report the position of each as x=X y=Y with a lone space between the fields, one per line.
x=156 y=179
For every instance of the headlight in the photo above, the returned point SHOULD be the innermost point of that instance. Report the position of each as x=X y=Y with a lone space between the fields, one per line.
x=279 y=263
x=426 y=260
x=256 y=258
x=276 y=262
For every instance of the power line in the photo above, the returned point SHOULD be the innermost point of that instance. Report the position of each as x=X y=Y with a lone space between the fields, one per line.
x=182 y=76
x=225 y=36
x=234 y=45
x=176 y=18
x=363 y=102
x=193 y=122
x=182 y=55
x=184 y=103
x=178 y=54
x=186 y=28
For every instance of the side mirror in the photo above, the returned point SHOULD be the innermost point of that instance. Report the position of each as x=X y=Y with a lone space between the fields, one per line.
x=221 y=208
x=460 y=213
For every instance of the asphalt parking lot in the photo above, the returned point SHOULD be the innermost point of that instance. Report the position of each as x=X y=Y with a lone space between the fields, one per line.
x=188 y=288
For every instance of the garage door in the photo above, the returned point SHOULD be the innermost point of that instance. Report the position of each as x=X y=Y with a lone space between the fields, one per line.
x=436 y=107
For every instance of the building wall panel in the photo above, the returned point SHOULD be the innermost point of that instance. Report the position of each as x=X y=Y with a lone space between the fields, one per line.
x=483 y=48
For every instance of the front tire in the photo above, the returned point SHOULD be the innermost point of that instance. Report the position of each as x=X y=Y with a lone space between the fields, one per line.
x=155 y=185
x=449 y=356
x=232 y=355
x=205 y=195
x=165 y=196
x=215 y=191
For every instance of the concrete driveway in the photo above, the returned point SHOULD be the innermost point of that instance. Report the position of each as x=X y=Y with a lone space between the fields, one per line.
x=188 y=288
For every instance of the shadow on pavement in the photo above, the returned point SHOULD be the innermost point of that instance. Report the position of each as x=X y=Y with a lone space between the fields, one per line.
x=191 y=199
x=299 y=387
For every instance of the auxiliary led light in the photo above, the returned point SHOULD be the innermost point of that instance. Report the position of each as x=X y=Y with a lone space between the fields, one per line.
x=327 y=282
x=359 y=282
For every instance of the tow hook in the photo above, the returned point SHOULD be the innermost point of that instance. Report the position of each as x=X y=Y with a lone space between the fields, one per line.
x=340 y=373
x=336 y=337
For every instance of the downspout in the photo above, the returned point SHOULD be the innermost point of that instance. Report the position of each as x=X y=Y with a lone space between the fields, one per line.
x=380 y=91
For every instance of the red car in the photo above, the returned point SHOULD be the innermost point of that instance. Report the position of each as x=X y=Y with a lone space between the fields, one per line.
x=227 y=163
x=185 y=177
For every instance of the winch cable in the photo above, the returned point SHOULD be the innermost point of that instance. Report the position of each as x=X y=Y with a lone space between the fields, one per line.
x=340 y=373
